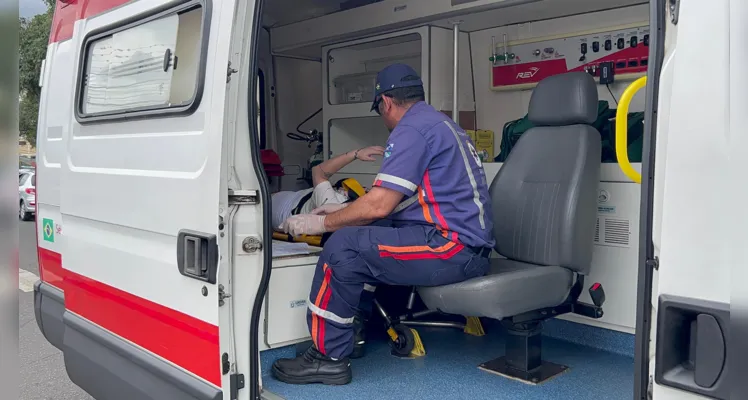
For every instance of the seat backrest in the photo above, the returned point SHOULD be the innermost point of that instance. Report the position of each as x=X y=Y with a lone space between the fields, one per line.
x=545 y=195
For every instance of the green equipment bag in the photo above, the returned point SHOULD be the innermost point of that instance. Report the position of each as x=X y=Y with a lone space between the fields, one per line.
x=510 y=135
x=635 y=140
x=605 y=124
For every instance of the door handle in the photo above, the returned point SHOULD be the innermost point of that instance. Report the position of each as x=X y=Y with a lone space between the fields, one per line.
x=692 y=346
x=197 y=255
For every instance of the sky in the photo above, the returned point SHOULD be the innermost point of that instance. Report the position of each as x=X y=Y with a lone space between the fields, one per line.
x=29 y=8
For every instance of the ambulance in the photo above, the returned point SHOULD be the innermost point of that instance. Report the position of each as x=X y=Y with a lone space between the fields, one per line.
x=161 y=276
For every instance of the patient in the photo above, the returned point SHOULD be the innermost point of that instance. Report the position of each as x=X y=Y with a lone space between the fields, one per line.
x=288 y=203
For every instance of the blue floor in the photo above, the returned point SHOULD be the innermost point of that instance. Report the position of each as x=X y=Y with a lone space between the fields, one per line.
x=449 y=369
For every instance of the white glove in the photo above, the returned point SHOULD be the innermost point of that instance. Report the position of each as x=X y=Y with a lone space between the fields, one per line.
x=304 y=224
x=329 y=208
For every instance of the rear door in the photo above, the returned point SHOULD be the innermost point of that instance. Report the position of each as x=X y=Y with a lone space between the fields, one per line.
x=140 y=194
x=697 y=233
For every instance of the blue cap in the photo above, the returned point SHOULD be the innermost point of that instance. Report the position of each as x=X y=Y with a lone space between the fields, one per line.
x=393 y=77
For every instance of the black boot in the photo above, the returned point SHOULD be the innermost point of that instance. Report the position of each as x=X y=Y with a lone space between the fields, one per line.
x=313 y=367
x=359 y=337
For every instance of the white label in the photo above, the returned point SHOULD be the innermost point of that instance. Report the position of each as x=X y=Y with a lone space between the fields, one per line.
x=298 y=303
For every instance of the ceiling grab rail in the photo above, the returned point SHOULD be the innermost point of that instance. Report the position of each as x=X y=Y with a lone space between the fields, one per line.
x=622 y=113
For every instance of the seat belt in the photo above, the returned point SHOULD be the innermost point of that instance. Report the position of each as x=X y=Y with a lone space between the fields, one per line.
x=303 y=201
x=353 y=189
x=405 y=203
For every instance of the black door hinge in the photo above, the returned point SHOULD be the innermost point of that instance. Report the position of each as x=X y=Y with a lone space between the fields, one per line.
x=236 y=382
x=230 y=71
x=654 y=263
x=222 y=295
x=225 y=364
x=674 y=8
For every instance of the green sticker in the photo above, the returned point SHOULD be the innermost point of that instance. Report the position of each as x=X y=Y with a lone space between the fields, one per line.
x=48 y=230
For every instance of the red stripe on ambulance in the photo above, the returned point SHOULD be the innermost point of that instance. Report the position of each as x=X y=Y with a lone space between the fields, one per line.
x=179 y=338
x=67 y=13
x=50 y=268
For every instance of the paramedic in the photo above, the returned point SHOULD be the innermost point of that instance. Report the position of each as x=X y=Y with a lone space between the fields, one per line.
x=431 y=188
x=289 y=203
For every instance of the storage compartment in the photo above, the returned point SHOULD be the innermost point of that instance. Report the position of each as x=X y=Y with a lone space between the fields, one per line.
x=287 y=297
x=352 y=70
x=355 y=133
x=355 y=88
x=287 y=304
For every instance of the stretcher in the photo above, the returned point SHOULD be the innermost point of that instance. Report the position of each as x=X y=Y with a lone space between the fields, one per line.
x=312 y=240
x=353 y=189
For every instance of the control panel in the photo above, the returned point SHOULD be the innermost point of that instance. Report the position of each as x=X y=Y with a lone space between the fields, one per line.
x=522 y=64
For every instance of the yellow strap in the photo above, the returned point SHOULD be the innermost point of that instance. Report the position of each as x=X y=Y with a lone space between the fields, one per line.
x=309 y=239
x=622 y=134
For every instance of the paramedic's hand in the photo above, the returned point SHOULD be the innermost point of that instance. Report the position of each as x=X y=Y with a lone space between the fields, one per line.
x=304 y=224
x=368 y=153
x=329 y=209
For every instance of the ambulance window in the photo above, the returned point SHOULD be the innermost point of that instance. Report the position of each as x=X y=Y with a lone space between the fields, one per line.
x=261 y=107
x=148 y=67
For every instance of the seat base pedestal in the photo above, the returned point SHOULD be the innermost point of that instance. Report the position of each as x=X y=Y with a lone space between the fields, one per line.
x=544 y=372
x=523 y=360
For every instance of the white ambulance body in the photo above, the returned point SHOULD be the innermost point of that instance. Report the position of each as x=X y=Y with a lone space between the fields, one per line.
x=157 y=275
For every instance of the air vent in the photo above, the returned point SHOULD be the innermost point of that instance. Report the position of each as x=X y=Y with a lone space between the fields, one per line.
x=617 y=232
x=612 y=232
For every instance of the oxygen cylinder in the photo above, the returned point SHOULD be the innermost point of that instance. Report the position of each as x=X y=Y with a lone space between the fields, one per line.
x=317 y=157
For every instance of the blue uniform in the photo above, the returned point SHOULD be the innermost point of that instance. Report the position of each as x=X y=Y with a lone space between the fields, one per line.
x=433 y=162
x=441 y=233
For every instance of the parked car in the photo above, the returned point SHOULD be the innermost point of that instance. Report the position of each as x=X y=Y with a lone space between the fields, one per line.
x=26 y=162
x=26 y=195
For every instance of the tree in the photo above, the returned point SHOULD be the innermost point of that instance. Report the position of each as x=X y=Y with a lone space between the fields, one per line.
x=33 y=40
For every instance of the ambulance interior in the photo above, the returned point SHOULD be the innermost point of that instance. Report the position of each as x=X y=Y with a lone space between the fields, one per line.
x=317 y=65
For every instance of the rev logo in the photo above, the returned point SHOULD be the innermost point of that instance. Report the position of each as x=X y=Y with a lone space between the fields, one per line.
x=529 y=74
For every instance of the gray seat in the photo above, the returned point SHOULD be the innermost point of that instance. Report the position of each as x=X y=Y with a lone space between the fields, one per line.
x=544 y=202
x=510 y=288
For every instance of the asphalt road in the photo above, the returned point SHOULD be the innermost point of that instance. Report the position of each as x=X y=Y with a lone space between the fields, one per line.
x=42 y=370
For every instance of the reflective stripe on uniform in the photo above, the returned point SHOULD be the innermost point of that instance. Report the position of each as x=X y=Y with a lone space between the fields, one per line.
x=473 y=183
x=369 y=288
x=318 y=324
x=330 y=316
x=397 y=181
x=416 y=249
